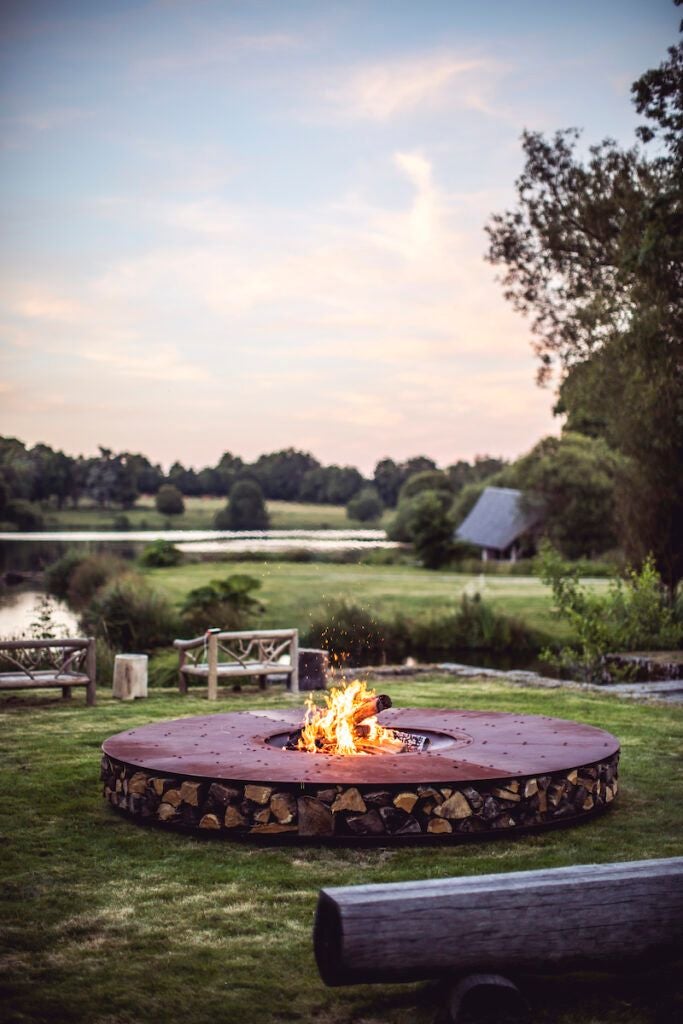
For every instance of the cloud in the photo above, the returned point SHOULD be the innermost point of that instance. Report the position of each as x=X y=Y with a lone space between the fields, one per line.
x=354 y=328
x=379 y=92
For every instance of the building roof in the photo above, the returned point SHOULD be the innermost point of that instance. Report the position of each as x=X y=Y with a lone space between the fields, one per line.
x=497 y=519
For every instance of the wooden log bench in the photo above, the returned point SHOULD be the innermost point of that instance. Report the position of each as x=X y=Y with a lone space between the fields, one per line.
x=37 y=664
x=597 y=915
x=232 y=655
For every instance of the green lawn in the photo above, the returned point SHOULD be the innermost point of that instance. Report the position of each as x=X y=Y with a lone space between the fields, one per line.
x=295 y=592
x=198 y=515
x=105 y=922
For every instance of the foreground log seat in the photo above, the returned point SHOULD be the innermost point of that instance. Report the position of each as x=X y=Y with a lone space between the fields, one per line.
x=40 y=664
x=230 y=655
x=596 y=914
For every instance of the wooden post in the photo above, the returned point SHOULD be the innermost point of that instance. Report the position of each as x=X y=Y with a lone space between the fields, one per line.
x=182 y=679
x=130 y=676
x=294 y=654
x=91 y=672
x=213 y=667
x=66 y=693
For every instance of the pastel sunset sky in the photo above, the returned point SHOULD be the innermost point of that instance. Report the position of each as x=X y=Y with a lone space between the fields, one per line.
x=250 y=225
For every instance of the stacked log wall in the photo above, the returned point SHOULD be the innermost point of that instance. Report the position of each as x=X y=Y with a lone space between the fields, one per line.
x=439 y=811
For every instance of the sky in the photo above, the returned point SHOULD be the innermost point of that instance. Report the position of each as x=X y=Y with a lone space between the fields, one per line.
x=252 y=225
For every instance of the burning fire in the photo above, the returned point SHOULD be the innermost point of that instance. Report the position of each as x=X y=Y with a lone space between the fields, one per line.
x=348 y=723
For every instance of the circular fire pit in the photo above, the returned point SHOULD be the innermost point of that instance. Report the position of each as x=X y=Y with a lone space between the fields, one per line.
x=481 y=773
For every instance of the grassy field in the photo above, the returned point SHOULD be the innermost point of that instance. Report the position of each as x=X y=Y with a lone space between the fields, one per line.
x=295 y=592
x=104 y=922
x=198 y=515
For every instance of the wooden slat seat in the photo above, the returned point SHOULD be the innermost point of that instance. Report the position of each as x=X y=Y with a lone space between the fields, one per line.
x=73 y=665
x=239 y=653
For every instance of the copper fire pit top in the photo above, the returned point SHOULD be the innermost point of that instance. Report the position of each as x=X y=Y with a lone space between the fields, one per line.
x=464 y=746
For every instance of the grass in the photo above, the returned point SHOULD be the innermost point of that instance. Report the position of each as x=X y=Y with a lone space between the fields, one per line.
x=294 y=592
x=198 y=515
x=105 y=922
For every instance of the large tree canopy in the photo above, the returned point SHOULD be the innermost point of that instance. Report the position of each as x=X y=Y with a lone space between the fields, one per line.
x=593 y=253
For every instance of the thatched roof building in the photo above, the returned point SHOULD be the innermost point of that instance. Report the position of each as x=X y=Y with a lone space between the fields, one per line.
x=498 y=522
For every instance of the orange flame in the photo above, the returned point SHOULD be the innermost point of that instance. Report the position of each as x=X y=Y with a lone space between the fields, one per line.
x=341 y=727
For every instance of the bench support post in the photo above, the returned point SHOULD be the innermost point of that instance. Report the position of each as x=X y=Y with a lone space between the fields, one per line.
x=294 y=675
x=182 y=679
x=213 y=667
x=91 y=672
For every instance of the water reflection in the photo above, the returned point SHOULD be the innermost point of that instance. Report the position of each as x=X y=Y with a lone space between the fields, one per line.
x=19 y=607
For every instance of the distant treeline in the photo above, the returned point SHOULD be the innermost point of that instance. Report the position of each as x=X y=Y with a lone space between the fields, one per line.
x=37 y=475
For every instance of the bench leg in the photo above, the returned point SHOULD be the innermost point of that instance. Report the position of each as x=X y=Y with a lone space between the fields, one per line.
x=91 y=671
x=182 y=678
x=66 y=693
x=485 y=997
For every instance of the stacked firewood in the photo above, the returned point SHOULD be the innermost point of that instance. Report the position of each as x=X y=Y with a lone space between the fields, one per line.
x=339 y=811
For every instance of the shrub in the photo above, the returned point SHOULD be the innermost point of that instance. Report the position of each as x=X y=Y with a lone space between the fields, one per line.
x=227 y=604
x=160 y=554
x=246 y=509
x=91 y=574
x=121 y=522
x=353 y=635
x=58 y=574
x=23 y=514
x=169 y=501
x=425 y=521
x=131 y=616
x=633 y=615
x=365 y=506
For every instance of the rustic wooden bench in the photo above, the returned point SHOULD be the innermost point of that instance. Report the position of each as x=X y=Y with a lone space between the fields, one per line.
x=37 y=664
x=596 y=915
x=232 y=655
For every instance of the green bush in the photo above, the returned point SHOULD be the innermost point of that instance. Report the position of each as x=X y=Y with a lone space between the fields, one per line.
x=121 y=522
x=634 y=615
x=58 y=574
x=365 y=506
x=246 y=509
x=91 y=574
x=354 y=636
x=160 y=554
x=23 y=514
x=226 y=604
x=169 y=501
x=426 y=522
x=130 y=616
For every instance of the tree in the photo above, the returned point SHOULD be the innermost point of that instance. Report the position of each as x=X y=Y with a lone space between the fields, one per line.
x=110 y=480
x=426 y=480
x=280 y=474
x=365 y=506
x=389 y=476
x=572 y=480
x=430 y=528
x=169 y=501
x=462 y=473
x=246 y=509
x=426 y=522
x=229 y=467
x=593 y=252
